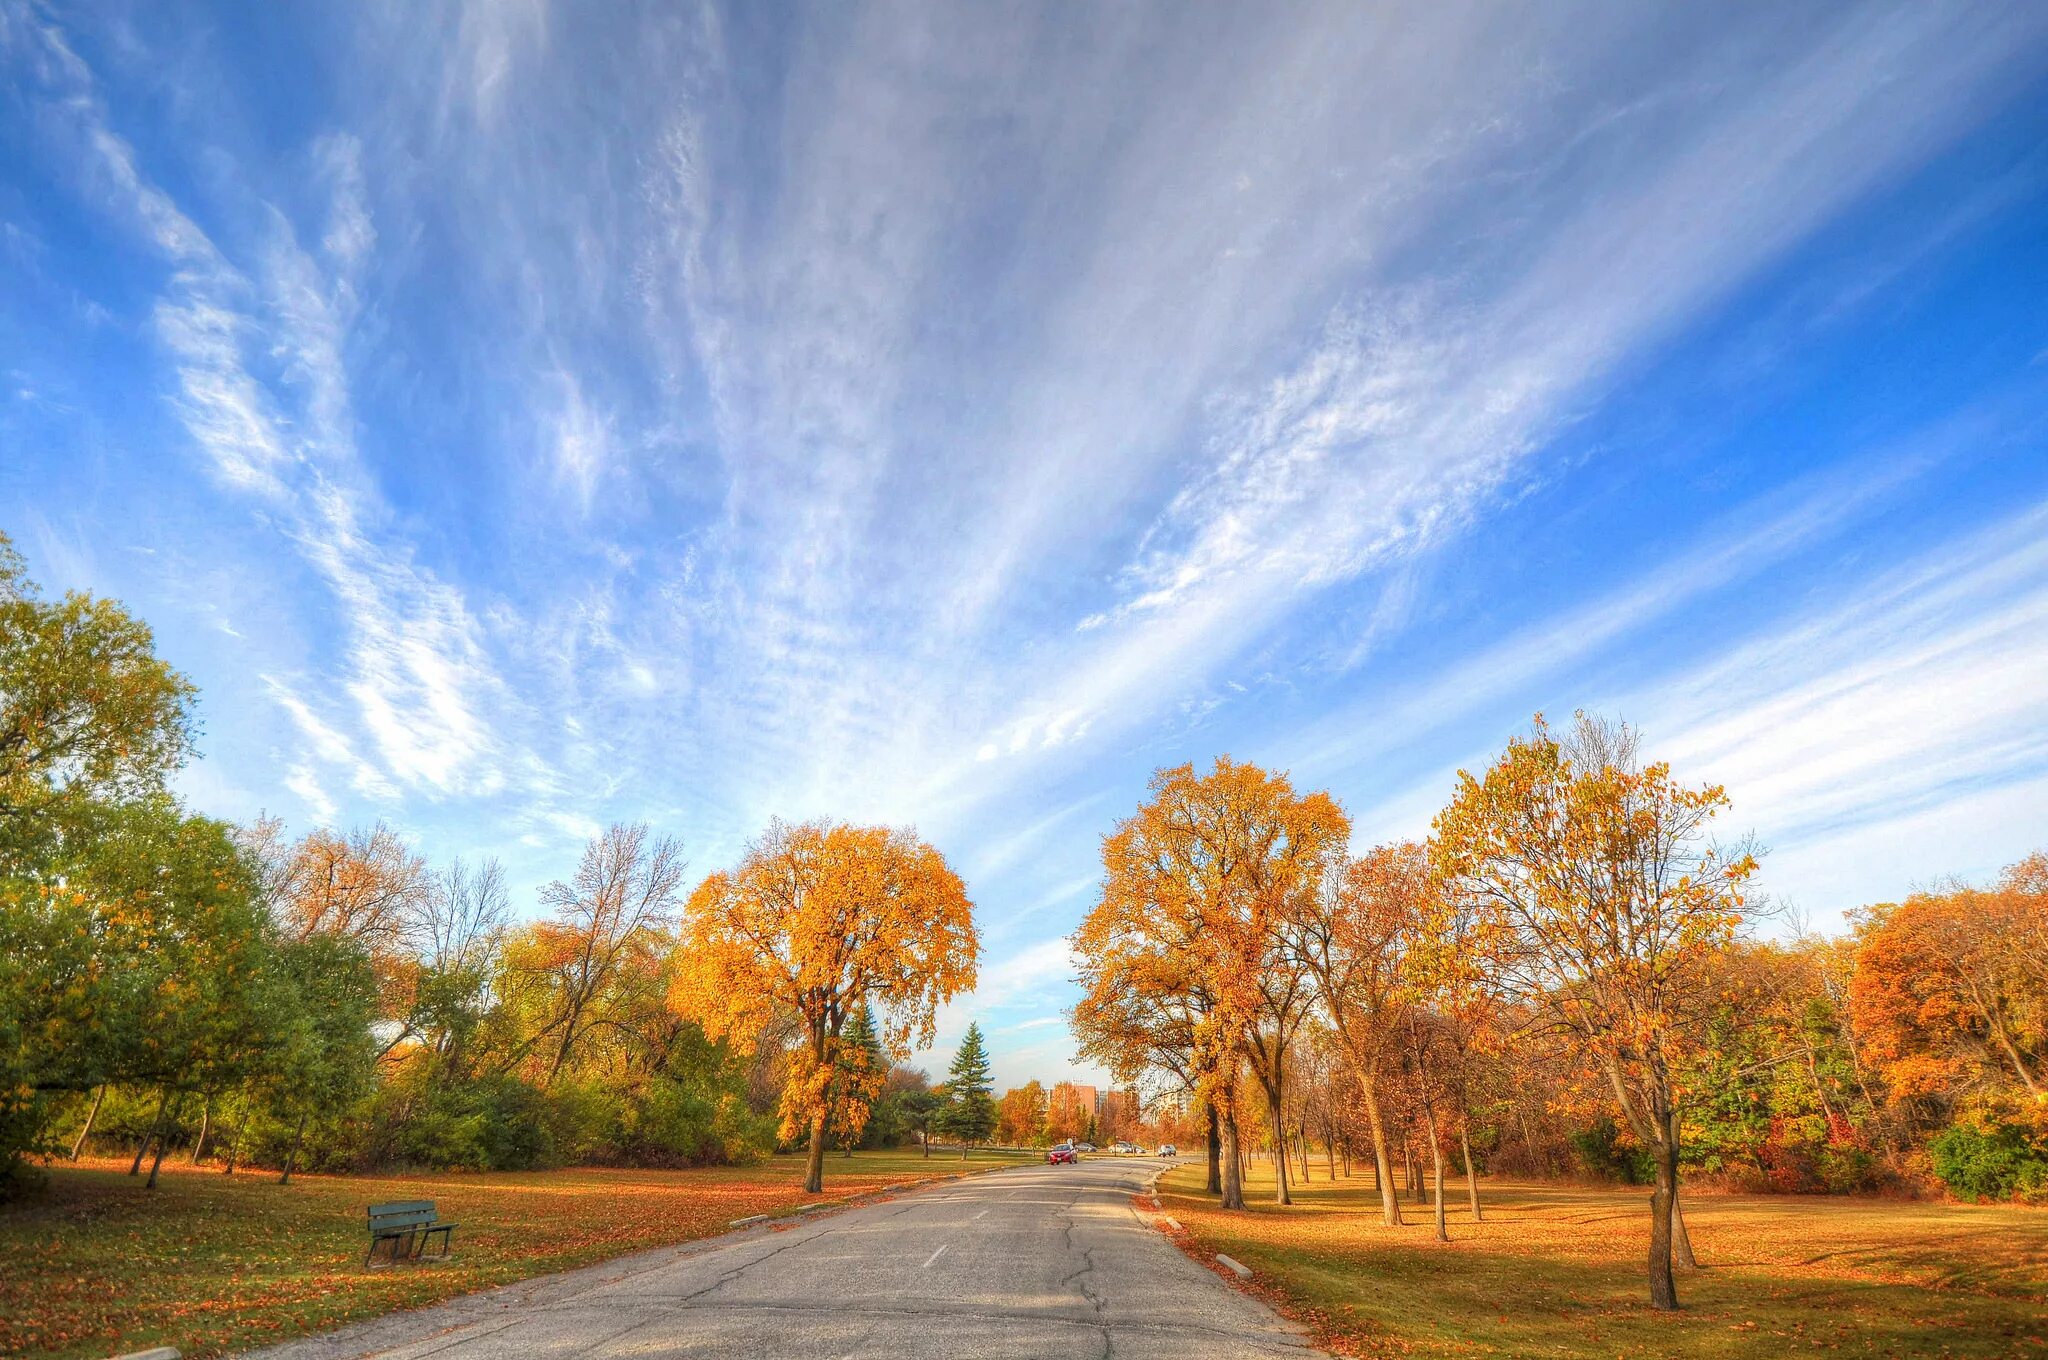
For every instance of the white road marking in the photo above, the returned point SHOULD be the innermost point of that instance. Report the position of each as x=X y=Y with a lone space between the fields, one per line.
x=978 y=1215
x=935 y=1255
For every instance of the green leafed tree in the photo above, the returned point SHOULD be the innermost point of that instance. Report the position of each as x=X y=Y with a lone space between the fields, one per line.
x=970 y=1110
x=87 y=708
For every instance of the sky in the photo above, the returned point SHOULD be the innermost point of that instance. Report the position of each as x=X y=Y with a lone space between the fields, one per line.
x=522 y=417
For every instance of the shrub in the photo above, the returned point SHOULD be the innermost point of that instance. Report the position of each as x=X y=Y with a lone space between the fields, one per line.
x=1602 y=1153
x=1999 y=1163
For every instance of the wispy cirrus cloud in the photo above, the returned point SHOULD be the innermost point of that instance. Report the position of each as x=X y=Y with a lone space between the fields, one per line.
x=943 y=414
x=263 y=390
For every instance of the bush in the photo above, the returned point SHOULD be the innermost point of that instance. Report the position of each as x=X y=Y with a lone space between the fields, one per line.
x=1999 y=1163
x=1602 y=1153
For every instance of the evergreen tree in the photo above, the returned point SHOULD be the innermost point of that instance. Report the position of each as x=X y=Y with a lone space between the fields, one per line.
x=863 y=1068
x=921 y=1111
x=970 y=1112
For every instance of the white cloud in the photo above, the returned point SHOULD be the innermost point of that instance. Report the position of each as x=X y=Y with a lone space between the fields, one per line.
x=417 y=671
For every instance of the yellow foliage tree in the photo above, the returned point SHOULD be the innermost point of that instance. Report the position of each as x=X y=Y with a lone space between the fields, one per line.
x=814 y=920
x=1596 y=901
x=1197 y=884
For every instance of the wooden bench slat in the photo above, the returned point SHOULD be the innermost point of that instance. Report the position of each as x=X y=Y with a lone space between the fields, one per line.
x=410 y=1222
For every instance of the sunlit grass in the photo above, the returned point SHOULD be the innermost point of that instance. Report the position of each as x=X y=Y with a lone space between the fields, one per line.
x=1559 y=1271
x=209 y=1263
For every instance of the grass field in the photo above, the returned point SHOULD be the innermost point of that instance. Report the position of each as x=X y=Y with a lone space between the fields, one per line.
x=96 y=1264
x=1558 y=1271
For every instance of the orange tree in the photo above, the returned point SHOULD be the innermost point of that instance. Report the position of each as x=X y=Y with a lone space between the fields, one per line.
x=1597 y=901
x=1142 y=1005
x=1950 y=995
x=1196 y=885
x=1020 y=1115
x=815 y=920
x=1350 y=938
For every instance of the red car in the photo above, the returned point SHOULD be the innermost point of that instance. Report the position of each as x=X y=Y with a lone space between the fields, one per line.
x=1063 y=1153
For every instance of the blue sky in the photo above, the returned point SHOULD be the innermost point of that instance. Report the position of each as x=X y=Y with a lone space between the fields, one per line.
x=518 y=418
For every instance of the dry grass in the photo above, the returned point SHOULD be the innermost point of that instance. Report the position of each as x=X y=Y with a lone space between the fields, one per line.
x=1558 y=1271
x=209 y=1263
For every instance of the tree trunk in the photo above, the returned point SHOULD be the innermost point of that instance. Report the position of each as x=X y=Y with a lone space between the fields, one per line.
x=78 y=1143
x=1663 y=1200
x=924 y=1136
x=1233 y=1164
x=1382 y=1165
x=1280 y=1195
x=1471 y=1179
x=814 y=1164
x=1681 y=1240
x=292 y=1156
x=1215 y=1185
x=1436 y=1162
x=158 y=1161
x=1330 y=1156
x=155 y=1130
x=205 y=1127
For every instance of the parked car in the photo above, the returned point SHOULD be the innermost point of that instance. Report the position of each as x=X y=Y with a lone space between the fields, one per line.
x=1122 y=1149
x=1084 y=1147
x=1168 y=1150
x=1059 y=1153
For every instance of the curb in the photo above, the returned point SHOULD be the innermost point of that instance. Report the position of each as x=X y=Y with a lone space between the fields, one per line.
x=1237 y=1268
x=748 y=1221
x=153 y=1353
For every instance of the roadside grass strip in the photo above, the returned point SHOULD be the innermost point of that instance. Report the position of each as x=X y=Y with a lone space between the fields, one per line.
x=96 y=1265
x=1558 y=1271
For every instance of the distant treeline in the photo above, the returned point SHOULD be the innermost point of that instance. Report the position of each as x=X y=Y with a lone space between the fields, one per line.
x=169 y=981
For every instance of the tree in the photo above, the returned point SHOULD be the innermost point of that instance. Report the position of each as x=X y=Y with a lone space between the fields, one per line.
x=970 y=1113
x=326 y=1056
x=610 y=917
x=1196 y=886
x=1067 y=1114
x=1020 y=1115
x=1951 y=990
x=87 y=709
x=1597 y=903
x=1350 y=937
x=814 y=919
x=1142 y=1007
x=368 y=885
x=133 y=952
x=863 y=1068
x=921 y=1107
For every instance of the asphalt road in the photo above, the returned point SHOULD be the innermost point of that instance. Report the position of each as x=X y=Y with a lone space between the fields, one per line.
x=1035 y=1261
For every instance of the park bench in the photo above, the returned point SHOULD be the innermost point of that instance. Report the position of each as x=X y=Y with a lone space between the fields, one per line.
x=406 y=1225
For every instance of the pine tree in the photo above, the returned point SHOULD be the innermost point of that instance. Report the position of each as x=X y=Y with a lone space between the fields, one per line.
x=862 y=1069
x=970 y=1113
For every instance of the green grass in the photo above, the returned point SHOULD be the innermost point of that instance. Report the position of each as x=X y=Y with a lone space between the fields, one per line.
x=1559 y=1271
x=94 y=1263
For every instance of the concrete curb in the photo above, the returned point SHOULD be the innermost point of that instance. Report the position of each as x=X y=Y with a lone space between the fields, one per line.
x=1237 y=1268
x=153 y=1353
x=749 y=1221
